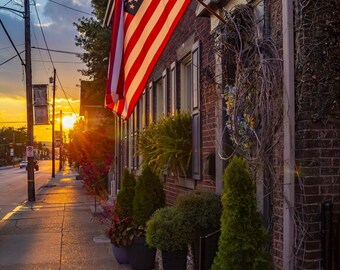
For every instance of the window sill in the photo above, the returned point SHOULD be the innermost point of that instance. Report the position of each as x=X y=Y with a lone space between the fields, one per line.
x=186 y=182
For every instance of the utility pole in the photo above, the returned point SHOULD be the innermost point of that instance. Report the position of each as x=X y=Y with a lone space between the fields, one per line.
x=61 y=142
x=28 y=71
x=53 y=120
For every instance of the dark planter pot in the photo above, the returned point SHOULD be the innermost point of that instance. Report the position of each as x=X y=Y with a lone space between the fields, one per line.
x=140 y=256
x=121 y=254
x=174 y=260
x=205 y=247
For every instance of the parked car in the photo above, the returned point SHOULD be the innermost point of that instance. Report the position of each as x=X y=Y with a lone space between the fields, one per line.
x=36 y=166
x=23 y=164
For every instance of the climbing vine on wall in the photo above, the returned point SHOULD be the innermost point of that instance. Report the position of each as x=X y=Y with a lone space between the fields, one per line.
x=252 y=94
x=317 y=59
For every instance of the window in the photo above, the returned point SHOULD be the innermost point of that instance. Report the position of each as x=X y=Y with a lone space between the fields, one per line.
x=131 y=139
x=151 y=103
x=173 y=87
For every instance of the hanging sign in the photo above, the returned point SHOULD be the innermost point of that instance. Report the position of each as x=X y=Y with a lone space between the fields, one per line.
x=40 y=94
x=29 y=151
x=41 y=115
x=40 y=104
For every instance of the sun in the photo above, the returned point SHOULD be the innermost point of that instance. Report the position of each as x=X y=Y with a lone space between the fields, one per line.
x=68 y=121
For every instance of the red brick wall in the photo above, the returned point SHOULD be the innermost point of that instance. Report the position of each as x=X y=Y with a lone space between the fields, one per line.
x=200 y=27
x=317 y=126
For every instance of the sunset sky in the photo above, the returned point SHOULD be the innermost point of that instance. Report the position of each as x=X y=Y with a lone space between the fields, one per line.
x=57 y=23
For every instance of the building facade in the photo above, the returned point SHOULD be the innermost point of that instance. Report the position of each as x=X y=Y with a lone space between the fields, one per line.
x=261 y=81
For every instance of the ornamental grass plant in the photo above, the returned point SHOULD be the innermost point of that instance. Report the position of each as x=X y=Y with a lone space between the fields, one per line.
x=243 y=240
x=166 y=146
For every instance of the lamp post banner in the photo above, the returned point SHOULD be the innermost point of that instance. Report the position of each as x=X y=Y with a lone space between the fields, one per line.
x=41 y=115
x=40 y=94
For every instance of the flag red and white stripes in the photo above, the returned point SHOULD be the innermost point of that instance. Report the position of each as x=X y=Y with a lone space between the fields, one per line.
x=140 y=31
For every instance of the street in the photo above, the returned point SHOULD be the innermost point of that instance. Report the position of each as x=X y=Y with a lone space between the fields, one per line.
x=13 y=184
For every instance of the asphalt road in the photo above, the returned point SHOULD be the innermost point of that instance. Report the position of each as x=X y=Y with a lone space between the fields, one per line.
x=13 y=184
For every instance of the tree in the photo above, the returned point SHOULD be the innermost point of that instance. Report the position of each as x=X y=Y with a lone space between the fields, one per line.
x=16 y=136
x=95 y=40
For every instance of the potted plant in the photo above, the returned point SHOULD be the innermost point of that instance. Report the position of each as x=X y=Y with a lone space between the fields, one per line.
x=166 y=146
x=121 y=233
x=169 y=231
x=149 y=196
x=122 y=229
x=203 y=210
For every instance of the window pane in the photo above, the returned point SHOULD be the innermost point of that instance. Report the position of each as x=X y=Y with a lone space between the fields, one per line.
x=159 y=98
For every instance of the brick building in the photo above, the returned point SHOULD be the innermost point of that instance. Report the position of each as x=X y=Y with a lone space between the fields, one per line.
x=280 y=64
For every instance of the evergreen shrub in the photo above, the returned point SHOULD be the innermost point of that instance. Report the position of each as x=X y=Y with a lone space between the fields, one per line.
x=202 y=208
x=168 y=230
x=125 y=197
x=243 y=240
x=149 y=196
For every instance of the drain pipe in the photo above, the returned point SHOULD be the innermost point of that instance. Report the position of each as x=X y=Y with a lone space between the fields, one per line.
x=289 y=134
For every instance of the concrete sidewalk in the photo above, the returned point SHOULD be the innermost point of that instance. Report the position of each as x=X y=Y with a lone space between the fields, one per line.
x=56 y=232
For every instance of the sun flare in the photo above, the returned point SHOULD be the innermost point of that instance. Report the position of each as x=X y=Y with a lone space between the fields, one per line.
x=68 y=121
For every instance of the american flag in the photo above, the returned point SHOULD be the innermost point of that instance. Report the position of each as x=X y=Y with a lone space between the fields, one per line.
x=140 y=31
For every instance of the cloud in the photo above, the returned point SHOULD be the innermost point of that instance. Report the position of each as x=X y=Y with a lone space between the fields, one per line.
x=64 y=17
x=45 y=25
x=60 y=100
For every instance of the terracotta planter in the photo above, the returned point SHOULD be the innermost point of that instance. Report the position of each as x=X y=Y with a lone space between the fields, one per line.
x=121 y=254
x=140 y=256
x=174 y=260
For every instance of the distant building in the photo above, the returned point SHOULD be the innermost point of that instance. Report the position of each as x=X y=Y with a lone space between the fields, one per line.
x=91 y=107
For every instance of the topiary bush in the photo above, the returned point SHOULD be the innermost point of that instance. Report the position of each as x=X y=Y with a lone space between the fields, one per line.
x=149 y=196
x=203 y=211
x=125 y=197
x=202 y=208
x=243 y=240
x=168 y=230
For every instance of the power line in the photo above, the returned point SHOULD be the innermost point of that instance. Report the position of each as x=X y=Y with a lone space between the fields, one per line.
x=42 y=32
x=74 y=9
x=10 y=39
x=36 y=40
x=62 y=88
x=60 y=62
x=9 y=1
x=48 y=50
x=8 y=47
x=58 y=51
x=10 y=58
x=14 y=11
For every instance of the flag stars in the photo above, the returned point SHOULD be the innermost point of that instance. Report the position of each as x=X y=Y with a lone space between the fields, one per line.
x=132 y=6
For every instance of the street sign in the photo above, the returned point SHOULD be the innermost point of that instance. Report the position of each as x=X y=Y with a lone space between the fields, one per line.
x=11 y=152
x=29 y=151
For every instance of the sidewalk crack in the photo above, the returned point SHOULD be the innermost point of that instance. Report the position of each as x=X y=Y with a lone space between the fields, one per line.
x=61 y=237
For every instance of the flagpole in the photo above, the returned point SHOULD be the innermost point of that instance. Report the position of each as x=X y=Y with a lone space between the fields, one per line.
x=213 y=12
